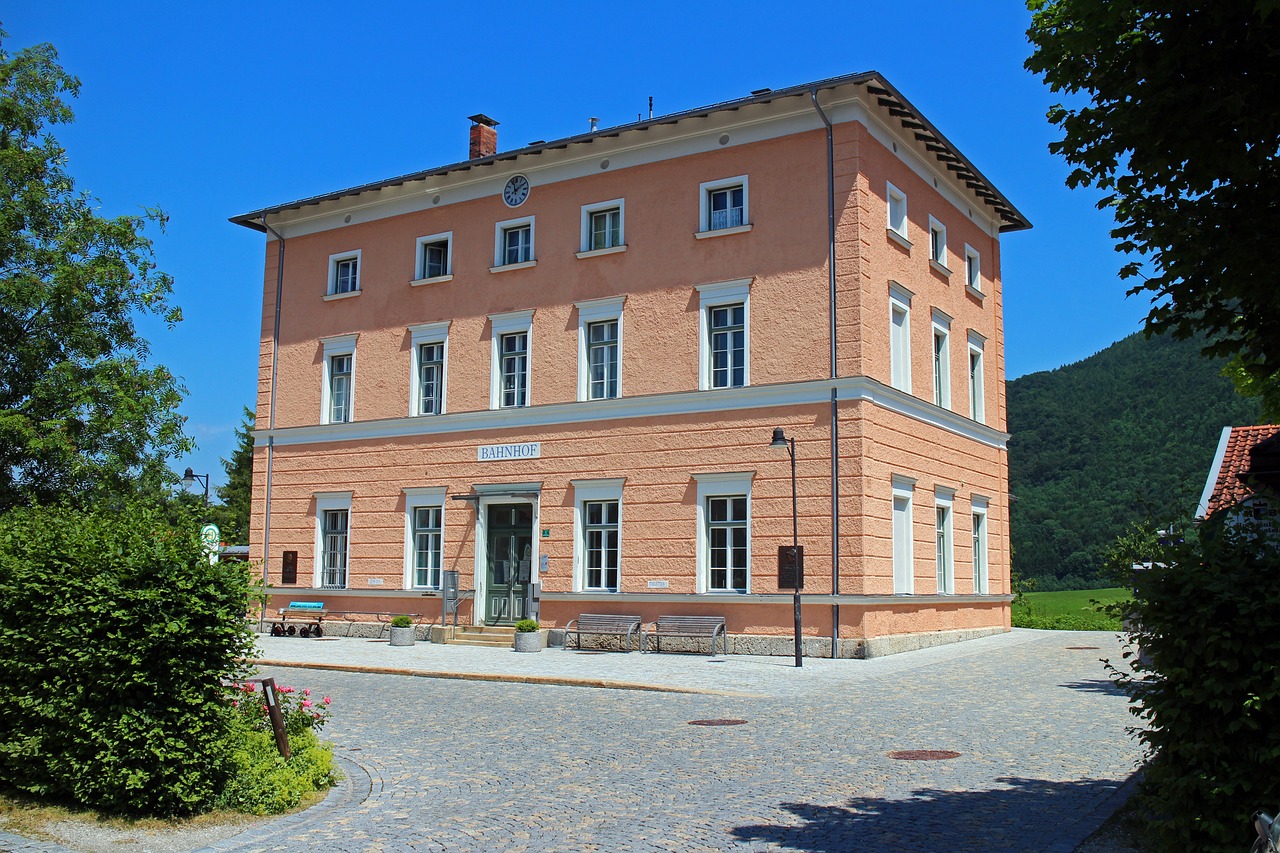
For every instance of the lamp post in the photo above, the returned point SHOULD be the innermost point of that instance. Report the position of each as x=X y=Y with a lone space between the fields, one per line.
x=780 y=440
x=190 y=477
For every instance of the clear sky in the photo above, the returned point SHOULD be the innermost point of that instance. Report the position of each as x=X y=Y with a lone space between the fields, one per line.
x=208 y=110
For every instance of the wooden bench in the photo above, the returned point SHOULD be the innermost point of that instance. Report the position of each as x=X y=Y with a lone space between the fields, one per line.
x=711 y=627
x=606 y=624
x=310 y=613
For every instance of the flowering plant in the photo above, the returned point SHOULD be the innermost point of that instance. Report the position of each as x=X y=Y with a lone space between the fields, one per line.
x=300 y=711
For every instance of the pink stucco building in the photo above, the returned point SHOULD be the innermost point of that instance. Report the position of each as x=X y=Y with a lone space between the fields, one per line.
x=566 y=361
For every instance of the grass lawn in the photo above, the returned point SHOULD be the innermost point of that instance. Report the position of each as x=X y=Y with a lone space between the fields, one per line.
x=1070 y=610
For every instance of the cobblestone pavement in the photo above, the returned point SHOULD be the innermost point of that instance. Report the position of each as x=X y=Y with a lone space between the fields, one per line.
x=443 y=764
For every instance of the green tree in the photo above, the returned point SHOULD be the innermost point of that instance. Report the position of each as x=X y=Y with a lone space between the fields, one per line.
x=232 y=517
x=82 y=412
x=1180 y=132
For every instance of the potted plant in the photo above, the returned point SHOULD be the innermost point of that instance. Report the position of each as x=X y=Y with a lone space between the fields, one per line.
x=402 y=631
x=528 y=636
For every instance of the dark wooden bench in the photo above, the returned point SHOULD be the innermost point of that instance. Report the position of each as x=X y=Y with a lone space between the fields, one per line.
x=605 y=624
x=310 y=613
x=711 y=627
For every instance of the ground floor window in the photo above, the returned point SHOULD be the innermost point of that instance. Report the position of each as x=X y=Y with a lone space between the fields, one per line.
x=426 y=546
x=727 y=543
x=333 y=572
x=600 y=545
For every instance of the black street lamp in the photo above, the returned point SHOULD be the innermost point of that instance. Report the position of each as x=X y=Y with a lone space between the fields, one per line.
x=191 y=477
x=780 y=440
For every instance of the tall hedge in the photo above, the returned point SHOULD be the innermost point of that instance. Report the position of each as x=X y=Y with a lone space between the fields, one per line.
x=1207 y=686
x=116 y=636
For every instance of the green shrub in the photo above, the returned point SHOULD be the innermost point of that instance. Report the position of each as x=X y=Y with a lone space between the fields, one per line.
x=1207 y=685
x=116 y=637
x=401 y=622
x=526 y=626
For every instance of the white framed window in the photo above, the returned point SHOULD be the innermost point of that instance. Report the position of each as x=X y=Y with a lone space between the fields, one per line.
x=337 y=391
x=972 y=269
x=513 y=244
x=333 y=539
x=977 y=385
x=938 y=244
x=597 y=534
x=904 y=582
x=897 y=210
x=423 y=537
x=600 y=348
x=941 y=359
x=511 y=335
x=981 y=581
x=434 y=258
x=723 y=206
x=430 y=356
x=344 y=274
x=724 y=532
x=944 y=560
x=724 y=319
x=603 y=228
x=899 y=337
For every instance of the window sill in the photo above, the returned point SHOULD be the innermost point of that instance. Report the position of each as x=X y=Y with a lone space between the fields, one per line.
x=899 y=239
x=724 y=232
x=975 y=293
x=595 y=253
x=939 y=268
x=350 y=293
x=437 y=279
x=523 y=265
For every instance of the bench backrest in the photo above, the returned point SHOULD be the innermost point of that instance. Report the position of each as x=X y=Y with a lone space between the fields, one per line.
x=704 y=624
x=306 y=605
x=606 y=621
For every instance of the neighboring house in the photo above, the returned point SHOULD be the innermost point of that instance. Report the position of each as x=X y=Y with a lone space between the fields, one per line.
x=564 y=364
x=1245 y=475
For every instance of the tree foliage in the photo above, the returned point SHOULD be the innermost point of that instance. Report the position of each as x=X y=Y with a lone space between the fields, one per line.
x=1180 y=131
x=82 y=412
x=232 y=516
x=1122 y=437
x=1206 y=685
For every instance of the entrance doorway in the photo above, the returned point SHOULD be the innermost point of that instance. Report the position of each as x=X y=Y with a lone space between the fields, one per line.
x=510 y=564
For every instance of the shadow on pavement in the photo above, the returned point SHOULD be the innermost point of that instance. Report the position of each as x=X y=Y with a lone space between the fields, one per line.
x=1095 y=685
x=1029 y=815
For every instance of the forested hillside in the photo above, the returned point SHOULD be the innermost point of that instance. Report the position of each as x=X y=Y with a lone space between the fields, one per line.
x=1125 y=435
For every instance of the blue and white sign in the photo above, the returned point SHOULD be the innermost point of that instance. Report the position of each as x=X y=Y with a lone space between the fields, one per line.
x=507 y=452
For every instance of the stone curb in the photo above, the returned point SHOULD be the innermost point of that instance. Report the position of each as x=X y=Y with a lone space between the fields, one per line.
x=552 y=680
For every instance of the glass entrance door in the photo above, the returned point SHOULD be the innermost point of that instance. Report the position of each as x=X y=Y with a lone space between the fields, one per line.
x=510 y=535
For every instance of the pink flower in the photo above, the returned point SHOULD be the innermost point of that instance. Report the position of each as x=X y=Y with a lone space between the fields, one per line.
x=306 y=692
x=306 y=703
x=327 y=700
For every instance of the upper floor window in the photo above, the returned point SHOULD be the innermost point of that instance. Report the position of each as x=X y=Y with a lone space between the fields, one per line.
x=338 y=389
x=900 y=337
x=972 y=269
x=513 y=243
x=725 y=322
x=509 y=384
x=600 y=348
x=897 y=211
x=435 y=257
x=602 y=227
x=723 y=205
x=430 y=342
x=941 y=360
x=344 y=273
x=977 y=386
x=937 y=243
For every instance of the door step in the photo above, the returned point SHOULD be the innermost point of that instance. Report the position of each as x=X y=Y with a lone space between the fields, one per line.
x=485 y=636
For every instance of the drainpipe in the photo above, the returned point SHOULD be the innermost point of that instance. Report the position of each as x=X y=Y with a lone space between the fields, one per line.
x=835 y=424
x=271 y=418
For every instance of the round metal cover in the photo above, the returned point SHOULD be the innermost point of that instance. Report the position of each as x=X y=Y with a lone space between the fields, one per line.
x=1082 y=648
x=923 y=754
x=717 y=722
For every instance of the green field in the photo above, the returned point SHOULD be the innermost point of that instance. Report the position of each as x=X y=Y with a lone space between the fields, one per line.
x=1068 y=611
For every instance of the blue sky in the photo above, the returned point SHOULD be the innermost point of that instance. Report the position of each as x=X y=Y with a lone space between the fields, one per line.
x=209 y=110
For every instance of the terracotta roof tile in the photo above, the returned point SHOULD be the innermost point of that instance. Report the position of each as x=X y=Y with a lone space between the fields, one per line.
x=1229 y=489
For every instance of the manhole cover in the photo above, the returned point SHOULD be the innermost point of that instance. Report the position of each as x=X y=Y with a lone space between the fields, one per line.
x=717 y=722
x=379 y=641
x=1082 y=648
x=589 y=653
x=923 y=754
x=323 y=639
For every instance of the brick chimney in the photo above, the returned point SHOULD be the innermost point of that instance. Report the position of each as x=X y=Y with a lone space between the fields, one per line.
x=484 y=139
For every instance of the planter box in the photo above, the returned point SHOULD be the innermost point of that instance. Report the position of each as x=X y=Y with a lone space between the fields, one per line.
x=529 y=641
x=403 y=636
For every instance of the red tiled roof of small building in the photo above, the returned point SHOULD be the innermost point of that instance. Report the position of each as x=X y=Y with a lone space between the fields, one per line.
x=1229 y=488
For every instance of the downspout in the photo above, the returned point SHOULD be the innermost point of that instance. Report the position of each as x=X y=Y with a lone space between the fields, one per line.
x=831 y=326
x=271 y=418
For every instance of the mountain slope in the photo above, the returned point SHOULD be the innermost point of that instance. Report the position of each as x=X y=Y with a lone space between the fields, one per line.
x=1125 y=435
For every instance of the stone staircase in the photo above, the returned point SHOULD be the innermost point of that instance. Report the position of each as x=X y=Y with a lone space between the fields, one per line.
x=486 y=636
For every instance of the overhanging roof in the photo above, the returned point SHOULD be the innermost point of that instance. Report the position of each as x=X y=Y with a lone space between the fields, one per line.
x=880 y=92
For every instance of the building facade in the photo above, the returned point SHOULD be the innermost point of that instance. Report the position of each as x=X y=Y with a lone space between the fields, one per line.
x=563 y=365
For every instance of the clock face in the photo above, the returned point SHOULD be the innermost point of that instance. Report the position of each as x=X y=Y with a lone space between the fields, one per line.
x=516 y=191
